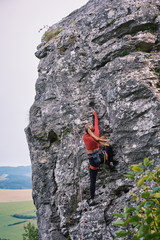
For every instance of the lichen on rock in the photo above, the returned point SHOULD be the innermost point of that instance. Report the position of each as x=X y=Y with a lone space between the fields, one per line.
x=107 y=57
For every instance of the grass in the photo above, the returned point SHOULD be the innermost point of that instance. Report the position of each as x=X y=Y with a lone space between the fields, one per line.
x=11 y=227
x=124 y=53
x=48 y=35
x=158 y=73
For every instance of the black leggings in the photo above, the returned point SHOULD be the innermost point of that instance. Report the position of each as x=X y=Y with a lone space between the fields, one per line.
x=109 y=151
x=93 y=173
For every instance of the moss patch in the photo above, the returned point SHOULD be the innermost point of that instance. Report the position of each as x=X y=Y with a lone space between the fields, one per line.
x=49 y=34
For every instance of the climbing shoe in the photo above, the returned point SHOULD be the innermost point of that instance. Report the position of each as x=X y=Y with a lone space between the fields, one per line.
x=91 y=203
x=111 y=167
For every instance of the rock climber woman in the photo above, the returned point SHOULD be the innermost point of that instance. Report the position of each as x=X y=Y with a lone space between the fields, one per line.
x=96 y=156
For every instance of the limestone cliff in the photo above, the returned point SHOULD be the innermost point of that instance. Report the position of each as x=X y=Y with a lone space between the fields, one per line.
x=106 y=56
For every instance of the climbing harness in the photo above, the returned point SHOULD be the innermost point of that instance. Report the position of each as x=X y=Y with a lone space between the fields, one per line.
x=93 y=168
x=95 y=156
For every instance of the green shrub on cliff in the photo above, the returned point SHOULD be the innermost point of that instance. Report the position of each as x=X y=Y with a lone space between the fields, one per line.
x=31 y=232
x=142 y=219
x=48 y=35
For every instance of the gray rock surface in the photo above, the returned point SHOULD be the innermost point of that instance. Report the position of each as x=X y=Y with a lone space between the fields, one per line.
x=106 y=56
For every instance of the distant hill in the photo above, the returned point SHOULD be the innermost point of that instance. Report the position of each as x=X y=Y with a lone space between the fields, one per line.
x=15 y=177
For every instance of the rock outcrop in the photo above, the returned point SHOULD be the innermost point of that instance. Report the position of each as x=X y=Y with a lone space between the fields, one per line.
x=106 y=56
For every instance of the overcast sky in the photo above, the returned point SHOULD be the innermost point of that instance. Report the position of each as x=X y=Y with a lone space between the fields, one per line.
x=20 y=22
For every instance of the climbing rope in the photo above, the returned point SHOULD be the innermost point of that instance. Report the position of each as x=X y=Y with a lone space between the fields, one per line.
x=79 y=179
x=77 y=163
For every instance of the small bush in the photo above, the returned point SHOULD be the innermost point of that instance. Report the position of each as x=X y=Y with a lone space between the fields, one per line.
x=158 y=73
x=72 y=39
x=124 y=53
x=142 y=219
x=31 y=232
x=48 y=35
x=62 y=49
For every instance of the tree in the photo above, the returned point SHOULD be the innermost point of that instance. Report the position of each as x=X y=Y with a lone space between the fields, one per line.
x=142 y=218
x=31 y=232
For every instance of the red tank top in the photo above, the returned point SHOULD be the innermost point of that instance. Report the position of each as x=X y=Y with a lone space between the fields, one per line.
x=89 y=142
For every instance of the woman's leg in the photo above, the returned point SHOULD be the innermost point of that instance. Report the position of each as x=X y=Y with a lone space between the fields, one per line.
x=93 y=175
x=109 y=151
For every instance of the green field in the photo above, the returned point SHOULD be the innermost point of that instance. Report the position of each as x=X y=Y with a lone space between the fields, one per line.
x=12 y=227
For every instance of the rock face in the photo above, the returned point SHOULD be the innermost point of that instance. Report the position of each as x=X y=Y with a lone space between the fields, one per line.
x=105 y=56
